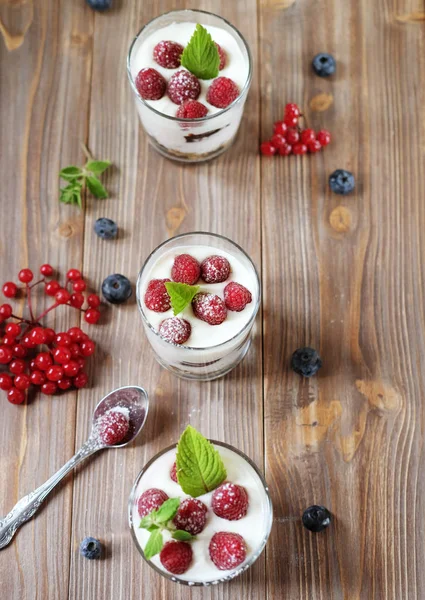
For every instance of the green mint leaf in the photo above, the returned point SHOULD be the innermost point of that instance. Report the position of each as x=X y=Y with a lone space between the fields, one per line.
x=97 y=166
x=71 y=173
x=201 y=56
x=154 y=544
x=148 y=520
x=71 y=194
x=182 y=536
x=167 y=510
x=200 y=468
x=96 y=187
x=153 y=528
x=181 y=295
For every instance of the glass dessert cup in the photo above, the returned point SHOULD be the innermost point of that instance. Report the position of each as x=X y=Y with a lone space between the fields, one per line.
x=257 y=529
x=206 y=362
x=190 y=140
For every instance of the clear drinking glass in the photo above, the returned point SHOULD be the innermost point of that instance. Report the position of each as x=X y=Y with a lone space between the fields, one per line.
x=263 y=518
x=190 y=140
x=209 y=362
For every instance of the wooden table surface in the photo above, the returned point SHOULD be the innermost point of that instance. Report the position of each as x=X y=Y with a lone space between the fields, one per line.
x=345 y=275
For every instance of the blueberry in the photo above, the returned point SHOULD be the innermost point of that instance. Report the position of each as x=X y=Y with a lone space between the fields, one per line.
x=342 y=182
x=100 y=4
x=316 y=518
x=306 y=362
x=324 y=64
x=106 y=228
x=90 y=548
x=116 y=288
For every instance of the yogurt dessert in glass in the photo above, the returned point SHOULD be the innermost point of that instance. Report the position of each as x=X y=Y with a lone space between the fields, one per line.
x=189 y=115
x=228 y=526
x=212 y=334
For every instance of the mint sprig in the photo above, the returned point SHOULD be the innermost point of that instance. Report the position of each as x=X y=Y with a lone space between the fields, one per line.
x=201 y=56
x=181 y=295
x=80 y=177
x=160 y=520
x=200 y=468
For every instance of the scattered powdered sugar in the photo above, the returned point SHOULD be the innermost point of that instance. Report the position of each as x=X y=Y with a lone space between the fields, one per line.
x=112 y=427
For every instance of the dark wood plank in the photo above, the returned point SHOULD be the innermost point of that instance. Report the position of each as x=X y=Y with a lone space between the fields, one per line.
x=44 y=115
x=153 y=199
x=345 y=275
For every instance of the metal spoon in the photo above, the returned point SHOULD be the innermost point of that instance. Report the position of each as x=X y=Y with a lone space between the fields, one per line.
x=135 y=399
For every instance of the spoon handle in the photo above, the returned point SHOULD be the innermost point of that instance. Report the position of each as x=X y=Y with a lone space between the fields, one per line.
x=28 y=505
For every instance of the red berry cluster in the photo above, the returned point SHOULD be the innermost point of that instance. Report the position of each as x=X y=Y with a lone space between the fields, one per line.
x=37 y=355
x=288 y=138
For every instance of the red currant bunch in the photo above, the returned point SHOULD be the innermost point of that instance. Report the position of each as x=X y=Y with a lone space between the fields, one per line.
x=33 y=355
x=288 y=138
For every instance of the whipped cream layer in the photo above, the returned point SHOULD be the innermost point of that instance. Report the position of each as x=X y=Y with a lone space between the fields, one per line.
x=254 y=527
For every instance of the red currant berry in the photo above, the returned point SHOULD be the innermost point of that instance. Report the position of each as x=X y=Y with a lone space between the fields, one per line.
x=290 y=121
x=33 y=365
x=75 y=334
x=38 y=377
x=10 y=289
x=6 y=382
x=54 y=373
x=93 y=301
x=92 y=316
x=292 y=136
x=22 y=381
x=299 y=148
x=75 y=350
x=37 y=335
x=88 y=348
x=50 y=335
x=80 y=362
x=27 y=342
x=62 y=296
x=5 y=312
x=9 y=340
x=80 y=380
x=77 y=300
x=277 y=140
x=79 y=285
x=13 y=329
x=49 y=388
x=19 y=351
x=285 y=150
x=64 y=383
x=25 y=275
x=17 y=366
x=73 y=275
x=314 y=146
x=52 y=287
x=324 y=137
x=63 y=339
x=307 y=136
x=71 y=368
x=279 y=128
x=15 y=396
x=292 y=110
x=6 y=355
x=46 y=270
x=62 y=355
x=267 y=149
x=43 y=361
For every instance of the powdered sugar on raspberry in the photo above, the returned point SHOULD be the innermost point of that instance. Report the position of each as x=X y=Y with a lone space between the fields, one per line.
x=113 y=426
x=183 y=86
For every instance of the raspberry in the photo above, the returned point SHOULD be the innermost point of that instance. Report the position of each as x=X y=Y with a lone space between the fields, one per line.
x=236 y=296
x=191 y=516
x=175 y=330
x=167 y=54
x=230 y=501
x=222 y=55
x=215 y=269
x=112 y=427
x=324 y=137
x=191 y=109
x=227 y=550
x=150 y=500
x=209 y=308
x=267 y=149
x=176 y=557
x=173 y=470
x=156 y=296
x=150 y=84
x=222 y=92
x=185 y=269
x=182 y=86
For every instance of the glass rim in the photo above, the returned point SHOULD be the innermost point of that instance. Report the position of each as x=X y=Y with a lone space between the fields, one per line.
x=235 y=572
x=244 y=329
x=241 y=96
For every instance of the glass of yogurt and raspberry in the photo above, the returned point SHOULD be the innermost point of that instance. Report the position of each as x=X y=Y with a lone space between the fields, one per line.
x=212 y=334
x=187 y=117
